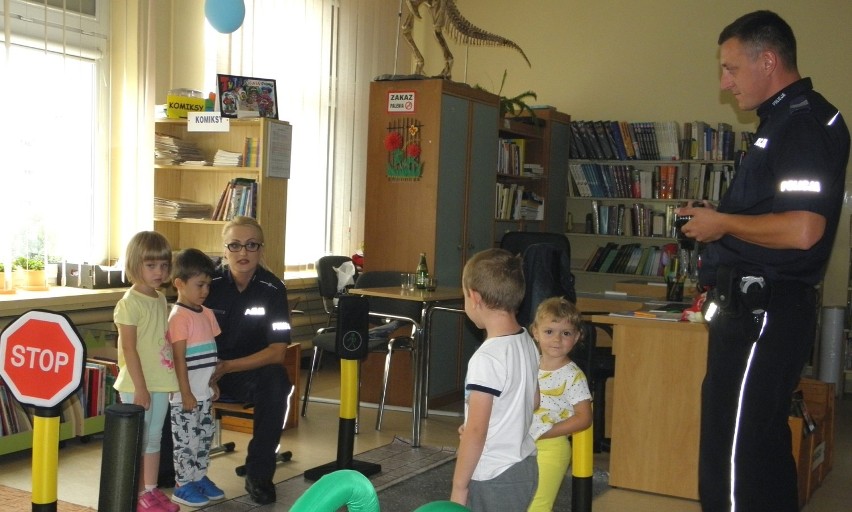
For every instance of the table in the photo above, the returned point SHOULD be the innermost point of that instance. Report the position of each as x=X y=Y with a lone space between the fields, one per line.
x=656 y=413
x=429 y=299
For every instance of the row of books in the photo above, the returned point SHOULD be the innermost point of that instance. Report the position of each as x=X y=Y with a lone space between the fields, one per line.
x=513 y=202
x=682 y=181
x=510 y=156
x=622 y=140
x=633 y=259
x=238 y=198
x=13 y=417
x=635 y=220
x=91 y=399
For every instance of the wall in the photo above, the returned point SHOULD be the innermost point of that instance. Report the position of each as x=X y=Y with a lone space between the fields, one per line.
x=645 y=61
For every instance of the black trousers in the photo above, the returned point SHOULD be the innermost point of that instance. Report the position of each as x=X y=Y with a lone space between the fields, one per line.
x=267 y=388
x=746 y=396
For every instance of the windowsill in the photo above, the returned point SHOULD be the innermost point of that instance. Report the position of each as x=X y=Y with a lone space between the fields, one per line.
x=63 y=299
x=60 y=299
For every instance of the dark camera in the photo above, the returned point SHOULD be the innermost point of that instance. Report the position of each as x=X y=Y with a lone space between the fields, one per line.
x=680 y=220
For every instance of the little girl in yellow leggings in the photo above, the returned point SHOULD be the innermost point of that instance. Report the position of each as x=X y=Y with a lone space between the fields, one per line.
x=565 y=399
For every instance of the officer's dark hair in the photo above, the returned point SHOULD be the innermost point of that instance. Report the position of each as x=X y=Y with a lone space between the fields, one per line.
x=764 y=30
x=190 y=263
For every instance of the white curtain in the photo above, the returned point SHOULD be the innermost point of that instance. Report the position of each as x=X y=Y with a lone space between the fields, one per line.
x=323 y=54
x=131 y=82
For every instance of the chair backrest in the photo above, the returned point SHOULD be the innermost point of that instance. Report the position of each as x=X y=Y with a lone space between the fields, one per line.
x=327 y=279
x=516 y=242
x=547 y=272
x=381 y=279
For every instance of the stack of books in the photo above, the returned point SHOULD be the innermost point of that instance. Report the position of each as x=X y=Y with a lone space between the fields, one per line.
x=169 y=150
x=181 y=209
x=228 y=159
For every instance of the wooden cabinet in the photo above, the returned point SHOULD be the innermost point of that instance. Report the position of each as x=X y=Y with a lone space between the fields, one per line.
x=580 y=207
x=544 y=140
x=656 y=404
x=205 y=184
x=447 y=211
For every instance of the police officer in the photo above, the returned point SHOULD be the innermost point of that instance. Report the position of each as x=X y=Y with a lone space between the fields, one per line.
x=767 y=246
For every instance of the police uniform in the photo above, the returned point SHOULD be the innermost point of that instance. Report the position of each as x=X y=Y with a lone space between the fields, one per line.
x=250 y=321
x=762 y=337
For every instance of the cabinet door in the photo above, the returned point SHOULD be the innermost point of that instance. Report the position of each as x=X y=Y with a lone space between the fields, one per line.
x=452 y=184
x=465 y=226
x=483 y=165
x=557 y=178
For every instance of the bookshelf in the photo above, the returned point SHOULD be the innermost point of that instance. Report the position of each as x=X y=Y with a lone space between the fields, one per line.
x=598 y=189
x=205 y=184
x=532 y=161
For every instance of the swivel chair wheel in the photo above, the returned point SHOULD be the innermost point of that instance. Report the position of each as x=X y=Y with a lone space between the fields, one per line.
x=229 y=447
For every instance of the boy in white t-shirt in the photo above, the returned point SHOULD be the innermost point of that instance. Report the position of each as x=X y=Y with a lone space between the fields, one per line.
x=496 y=467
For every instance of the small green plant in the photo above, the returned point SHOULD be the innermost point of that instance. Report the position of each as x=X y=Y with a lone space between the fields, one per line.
x=2 y=268
x=24 y=263
x=515 y=105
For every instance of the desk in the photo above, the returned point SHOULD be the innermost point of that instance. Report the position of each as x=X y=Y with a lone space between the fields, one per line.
x=421 y=345
x=656 y=414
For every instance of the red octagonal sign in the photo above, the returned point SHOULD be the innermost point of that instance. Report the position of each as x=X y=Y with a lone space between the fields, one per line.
x=41 y=358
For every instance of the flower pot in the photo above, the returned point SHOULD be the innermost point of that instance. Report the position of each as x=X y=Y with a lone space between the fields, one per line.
x=34 y=278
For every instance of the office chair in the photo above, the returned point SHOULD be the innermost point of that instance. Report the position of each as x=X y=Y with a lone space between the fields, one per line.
x=327 y=283
x=386 y=317
x=547 y=270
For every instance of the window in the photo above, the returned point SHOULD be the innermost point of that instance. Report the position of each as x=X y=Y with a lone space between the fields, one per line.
x=52 y=132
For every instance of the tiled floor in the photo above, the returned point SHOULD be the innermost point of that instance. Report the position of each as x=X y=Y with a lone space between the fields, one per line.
x=314 y=443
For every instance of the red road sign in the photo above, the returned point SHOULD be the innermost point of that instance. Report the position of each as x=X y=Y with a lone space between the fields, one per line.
x=41 y=358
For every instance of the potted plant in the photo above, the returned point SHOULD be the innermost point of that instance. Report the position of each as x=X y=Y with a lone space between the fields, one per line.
x=32 y=271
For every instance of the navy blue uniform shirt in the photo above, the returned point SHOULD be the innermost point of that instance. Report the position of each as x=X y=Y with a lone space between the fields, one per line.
x=797 y=163
x=252 y=319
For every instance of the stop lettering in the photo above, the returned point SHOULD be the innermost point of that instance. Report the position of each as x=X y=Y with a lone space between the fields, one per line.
x=41 y=358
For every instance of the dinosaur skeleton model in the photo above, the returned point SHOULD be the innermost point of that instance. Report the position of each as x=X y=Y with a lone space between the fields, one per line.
x=446 y=18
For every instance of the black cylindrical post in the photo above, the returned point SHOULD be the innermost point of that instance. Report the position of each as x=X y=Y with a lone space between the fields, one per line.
x=122 y=449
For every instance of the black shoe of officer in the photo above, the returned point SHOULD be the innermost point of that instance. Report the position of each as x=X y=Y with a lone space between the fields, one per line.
x=260 y=490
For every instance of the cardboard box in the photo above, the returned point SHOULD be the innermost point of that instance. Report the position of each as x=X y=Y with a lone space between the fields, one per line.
x=802 y=447
x=93 y=277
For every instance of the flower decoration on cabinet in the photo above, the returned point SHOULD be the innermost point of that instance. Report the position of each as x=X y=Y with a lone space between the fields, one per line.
x=402 y=143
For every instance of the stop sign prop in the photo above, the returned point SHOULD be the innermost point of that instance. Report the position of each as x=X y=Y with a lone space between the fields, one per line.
x=41 y=358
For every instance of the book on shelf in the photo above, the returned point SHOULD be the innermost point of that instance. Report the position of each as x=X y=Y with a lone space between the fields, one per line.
x=181 y=209
x=238 y=198
x=251 y=152
x=576 y=147
x=630 y=259
x=510 y=156
x=617 y=139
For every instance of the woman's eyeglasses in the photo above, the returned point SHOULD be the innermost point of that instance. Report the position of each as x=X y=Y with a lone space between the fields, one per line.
x=248 y=246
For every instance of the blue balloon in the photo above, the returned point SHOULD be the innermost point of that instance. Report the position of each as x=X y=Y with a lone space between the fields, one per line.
x=225 y=15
